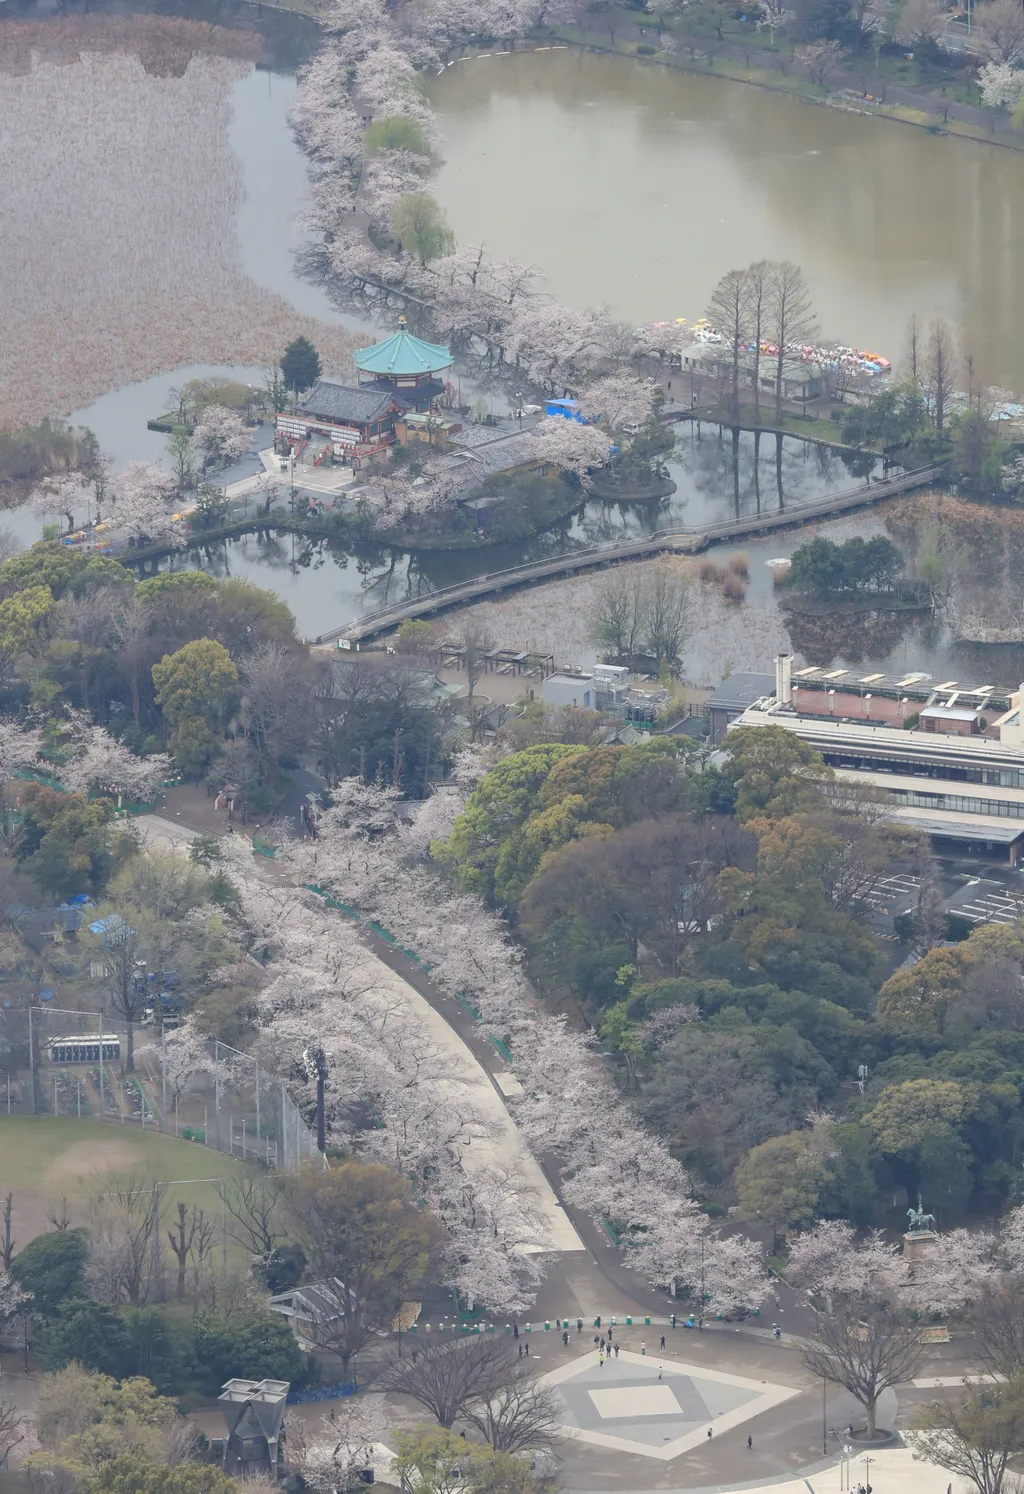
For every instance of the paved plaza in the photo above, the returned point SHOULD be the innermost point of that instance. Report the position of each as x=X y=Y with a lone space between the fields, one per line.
x=656 y=1407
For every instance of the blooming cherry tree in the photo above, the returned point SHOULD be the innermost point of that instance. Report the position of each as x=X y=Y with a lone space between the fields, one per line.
x=571 y=446
x=220 y=435
x=618 y=399
x=60 y=495
x=140 y=504
x=96 y=760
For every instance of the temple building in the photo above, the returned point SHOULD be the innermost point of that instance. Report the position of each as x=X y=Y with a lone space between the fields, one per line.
x=407 y=367
x=352 y=423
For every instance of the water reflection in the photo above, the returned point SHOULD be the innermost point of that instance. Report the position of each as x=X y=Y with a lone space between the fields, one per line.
x=717 y=474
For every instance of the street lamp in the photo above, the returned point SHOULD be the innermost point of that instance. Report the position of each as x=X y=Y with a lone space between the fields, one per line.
x=867 y=1476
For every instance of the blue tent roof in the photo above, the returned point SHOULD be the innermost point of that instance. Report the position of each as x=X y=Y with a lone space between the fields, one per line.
x=403 y=354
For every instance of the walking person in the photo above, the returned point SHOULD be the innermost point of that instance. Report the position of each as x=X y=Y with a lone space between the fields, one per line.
x=579 y=1325
x=616 y=1351
x=663 y=1343
x=643 y=1347
x=526 y=1351
x=709 y=1434
x=750 y=1444
x=515 y=1330
x=659 y=1371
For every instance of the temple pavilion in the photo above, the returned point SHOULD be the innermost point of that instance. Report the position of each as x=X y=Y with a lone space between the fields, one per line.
x=412 y=368
x=352 y=423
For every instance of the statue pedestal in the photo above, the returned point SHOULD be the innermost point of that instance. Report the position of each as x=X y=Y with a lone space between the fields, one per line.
x=917 y=1244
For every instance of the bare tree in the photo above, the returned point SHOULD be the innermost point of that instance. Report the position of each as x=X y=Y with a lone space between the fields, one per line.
x=729 y=309
x=759 y=283
x=667 y=612
x=476 y=644
x=940 y=370
x=974 y=1431
x=121 y=1223
x=930 y=918
x=1001 y=24
x=920 y=21
x=7 y=1248
x=519 y=1417
x=58 y=1216
x=445 y=1378
x=12 y=1430
x=866 y=1348
x=821 y=59
x=618 y=612
x=791 y=319
x=998 y=1321
x=181 y=1237
x=255 y=1202
x=201 y=1248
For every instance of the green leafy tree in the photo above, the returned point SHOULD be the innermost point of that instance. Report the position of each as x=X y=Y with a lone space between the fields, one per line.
x=249 y=1341
x=419 y=225
x=781 y=1179
x=916 y=1000
x=433 y=1460
x=90 y=1334
x=23 y=618
x=300 y=365
x=196 y=689
x=499 y=807
x=775 y=773
x=130 y=1474
x=359 y=1223
x=52 y=1268
x=396 y=132
x=65 y=841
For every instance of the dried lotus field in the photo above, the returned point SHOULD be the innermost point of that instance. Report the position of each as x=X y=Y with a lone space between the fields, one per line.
x=121 y=194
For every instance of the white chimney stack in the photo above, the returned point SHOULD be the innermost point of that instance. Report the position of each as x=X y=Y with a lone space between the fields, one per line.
x=784 y=678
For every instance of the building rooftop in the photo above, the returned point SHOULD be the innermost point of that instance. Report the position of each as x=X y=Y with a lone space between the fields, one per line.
x=740 y=691
x=947 y=713
x=330 y=401
x=402 y=354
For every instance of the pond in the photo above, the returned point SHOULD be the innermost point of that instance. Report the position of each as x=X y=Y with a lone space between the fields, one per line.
x=627 y=185
x=326 y=586
x=636 y=187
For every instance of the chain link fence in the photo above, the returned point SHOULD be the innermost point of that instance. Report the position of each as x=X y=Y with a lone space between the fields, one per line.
x=69 y=1063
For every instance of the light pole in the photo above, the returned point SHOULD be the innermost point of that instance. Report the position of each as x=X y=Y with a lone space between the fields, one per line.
x=824 y=1419
x=315 y=1061
x=867 y=1476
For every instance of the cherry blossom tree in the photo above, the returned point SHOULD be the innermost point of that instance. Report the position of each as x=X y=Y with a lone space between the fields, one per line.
x=140 y=504
x=96 y=760
x=59 y=495
x=220 y=435
x=184 y=1052
x=1002 y=85
x=571 y=446
x=617 y=400
x=611 y=1166
x=19 y=748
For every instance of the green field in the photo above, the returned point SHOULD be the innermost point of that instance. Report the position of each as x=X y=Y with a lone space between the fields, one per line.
x=44 y=1159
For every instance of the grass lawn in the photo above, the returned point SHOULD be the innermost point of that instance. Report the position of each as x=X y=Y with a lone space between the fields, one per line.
x=43 y=1158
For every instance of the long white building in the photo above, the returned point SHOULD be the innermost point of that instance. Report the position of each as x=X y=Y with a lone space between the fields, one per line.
x=951 y=763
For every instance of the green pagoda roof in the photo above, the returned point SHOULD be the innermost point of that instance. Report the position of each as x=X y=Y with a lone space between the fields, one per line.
x=403 y=355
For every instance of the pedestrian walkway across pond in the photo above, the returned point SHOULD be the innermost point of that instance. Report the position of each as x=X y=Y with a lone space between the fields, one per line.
x=663 y=542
